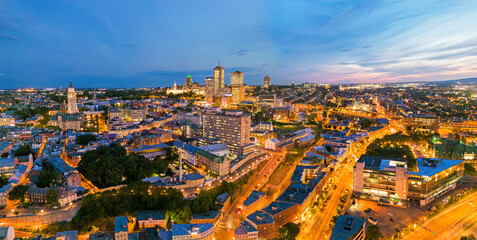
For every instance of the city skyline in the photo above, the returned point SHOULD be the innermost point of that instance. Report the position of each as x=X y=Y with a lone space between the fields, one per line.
x=46 y=44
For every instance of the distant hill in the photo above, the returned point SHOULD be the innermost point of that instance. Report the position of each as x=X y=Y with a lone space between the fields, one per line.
x=449 y=82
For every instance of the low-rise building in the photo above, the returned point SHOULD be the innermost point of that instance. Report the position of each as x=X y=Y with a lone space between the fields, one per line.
x=121 y=228
x=246 y=232
x=283 y=212
x=152 y=151
x=388 y=180
x=7 y=166
x=68 y=235
x=4 y=191
x=433 y=178
x=214 y=163
x=254 y=202
x=349 y=228
x=151 y=218
x=7 y=233
x=193 y=231
x=264 y=224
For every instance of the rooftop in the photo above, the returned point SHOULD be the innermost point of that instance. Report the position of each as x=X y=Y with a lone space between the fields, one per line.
x=259 y=217
x=154 y=214
x=346 y=226
x=121 y=224
x=381 y=163
x=190 y=229
x=428 y=167
x=277 y=207
x=253 y=197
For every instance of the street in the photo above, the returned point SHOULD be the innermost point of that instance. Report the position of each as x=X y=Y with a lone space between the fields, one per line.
x=226 y=226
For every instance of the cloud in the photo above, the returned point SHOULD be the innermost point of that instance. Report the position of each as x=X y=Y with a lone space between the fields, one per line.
x=6 y=37
x=241 y=52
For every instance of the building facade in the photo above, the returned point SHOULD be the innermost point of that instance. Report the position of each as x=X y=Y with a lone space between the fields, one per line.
x=381 y=178
x=71 y=95
x=219 y=75
x=238 y=89
x=231 y=127
x=266 y=81
x=211 y=86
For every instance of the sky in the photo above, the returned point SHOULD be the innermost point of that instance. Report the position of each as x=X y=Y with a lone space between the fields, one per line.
x=156 y=43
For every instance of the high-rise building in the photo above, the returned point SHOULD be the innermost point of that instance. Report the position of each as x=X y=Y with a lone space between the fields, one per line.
x=211 y=86
x=231 y=127
x=219 y=75
x=238 y=89
x=72 y=107
x=188 y=81
x=266 y=81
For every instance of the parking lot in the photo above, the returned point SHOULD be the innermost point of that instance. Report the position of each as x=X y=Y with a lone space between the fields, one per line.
x=389 y=218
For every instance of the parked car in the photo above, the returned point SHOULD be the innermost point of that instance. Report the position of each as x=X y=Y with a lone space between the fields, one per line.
x=372 y=220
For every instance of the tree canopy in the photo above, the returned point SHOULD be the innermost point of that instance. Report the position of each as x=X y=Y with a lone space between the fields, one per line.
x=85 y=139
x=18 y=193
x=289 y=231
x=52 y=196
x=111 y=165
x=47 y=178
x=127 y=200
x=23 y=150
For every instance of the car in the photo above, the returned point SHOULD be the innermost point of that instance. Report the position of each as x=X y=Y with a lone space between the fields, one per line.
x=390 y=214
x=372 y=220
x=391 y=219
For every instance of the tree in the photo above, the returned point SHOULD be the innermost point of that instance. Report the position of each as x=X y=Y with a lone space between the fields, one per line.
x=289 y=231
x=109 y=165
x=52 y=196
x=85 y=139
x=23 y=150
x=48 y=177
x=18 y=193
x=468 y=237
x=373 y=232
x=3 y=180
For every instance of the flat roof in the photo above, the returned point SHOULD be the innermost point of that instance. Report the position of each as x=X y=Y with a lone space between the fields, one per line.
x=121 y=224
x=277 y=207
x=381 y=163
x=346 y=226
x=253 y=197
x=189 y=229
x=430 y=166
x=259 y=217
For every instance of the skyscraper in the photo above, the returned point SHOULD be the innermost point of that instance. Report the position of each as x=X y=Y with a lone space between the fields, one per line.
x=238 y=89
x=188 y=81
x=266 y=81
x=211 y=85
x=219 y=75
x=72 y=107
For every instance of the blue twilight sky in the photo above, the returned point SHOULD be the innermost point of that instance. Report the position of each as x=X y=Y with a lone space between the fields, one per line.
x=155 y=43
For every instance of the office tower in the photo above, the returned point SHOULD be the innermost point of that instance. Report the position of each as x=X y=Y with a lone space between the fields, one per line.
x=238 y=89
x=188 y=81
x=211 y=85
x=266 y=81
x=219 y=75
x=231 y=127
x=72 y=107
